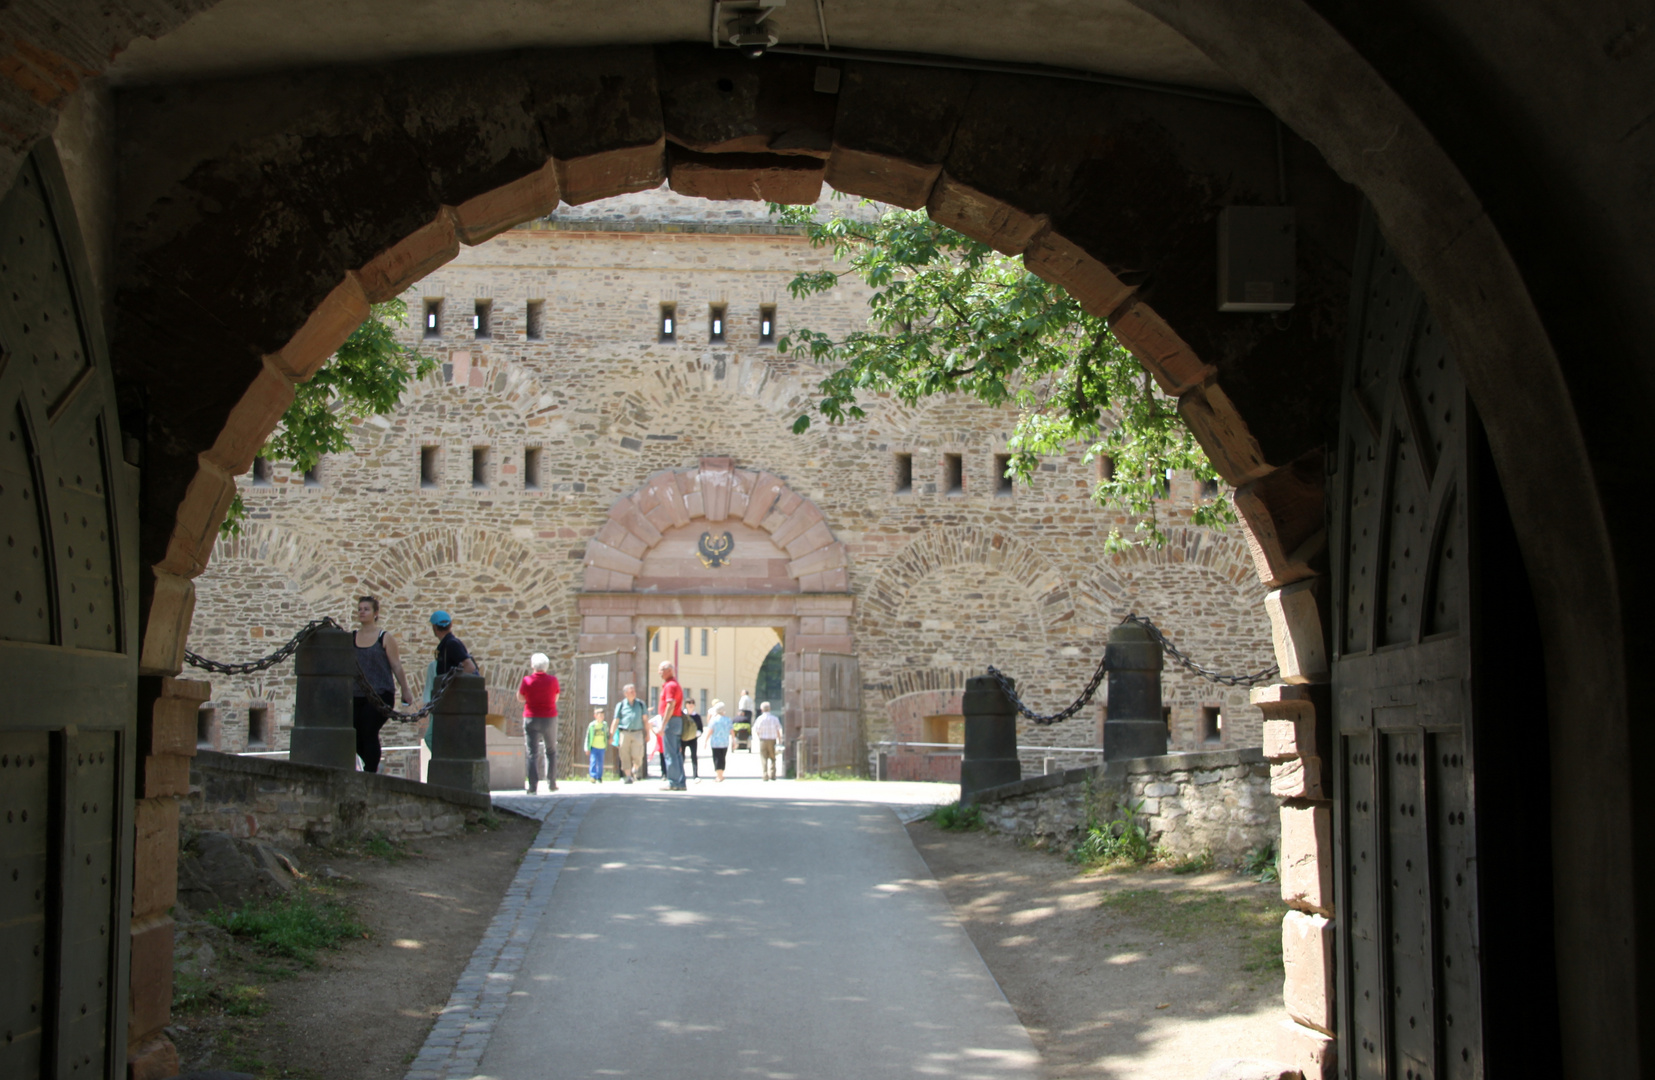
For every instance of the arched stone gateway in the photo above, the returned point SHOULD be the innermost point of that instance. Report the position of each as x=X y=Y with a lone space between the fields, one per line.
x=722 y=546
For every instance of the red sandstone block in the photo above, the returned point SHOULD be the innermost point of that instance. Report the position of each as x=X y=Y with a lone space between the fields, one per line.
x=998 y=224
x=252 y=420
x=1314 y=1054
x=195 y=526
x=155 y=857
x=1063 y=262
x=1296 y=627
x=150 y=980
x=618 y=624
x=882 y=177
x=766 y=177
x=597 y=579
x=818 y=537
x=600 y=554
x=171 y=607
x=164 y=774
x=695 y=504
x=821 y=643
x=800 y=520
x=155 y=1059
x=190 y=689
x=1297 y=778
x=612 y=172
x=493 y=212
x=818 y=561
x=766 y=490
x=334 y=320
x=1159 y=349
x=1283 y=512
x=1307 y=955
x=631 y=516
x=1223 y=434
x=172 y=728
x=1284 y=739
x=389 y=275
x=1307 y=857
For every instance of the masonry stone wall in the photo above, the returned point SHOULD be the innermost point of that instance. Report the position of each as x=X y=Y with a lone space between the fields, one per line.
x=289 y=803
x=1214 y=801
x=943 y=583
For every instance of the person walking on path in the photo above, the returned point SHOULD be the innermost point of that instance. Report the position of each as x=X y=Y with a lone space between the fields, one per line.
x=767 y=729
x=538 y=693
x=692 y=734
x=719 y=730
x=380 y=662
x=672 y=729
x=627 y=734
x=597 y=740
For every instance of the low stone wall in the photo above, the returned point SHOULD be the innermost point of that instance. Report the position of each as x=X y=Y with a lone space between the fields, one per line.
x=288 y=803
x=1217 y=801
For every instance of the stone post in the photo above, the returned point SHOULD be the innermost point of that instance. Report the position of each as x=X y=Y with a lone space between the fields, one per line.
x=322 y=732
x=459 y=739
x=1135 y=727
x=990 y=757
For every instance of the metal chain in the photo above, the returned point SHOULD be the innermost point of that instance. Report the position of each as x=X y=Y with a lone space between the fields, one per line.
x=248 y=667
x=218 y=667
x=1207 y=673
x=1091 y=690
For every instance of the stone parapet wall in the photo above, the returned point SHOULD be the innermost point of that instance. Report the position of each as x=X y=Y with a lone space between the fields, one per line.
x=288 y=803
x=1217 y=801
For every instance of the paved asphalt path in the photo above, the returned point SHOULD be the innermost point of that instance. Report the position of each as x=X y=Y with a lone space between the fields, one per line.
x=776 y=936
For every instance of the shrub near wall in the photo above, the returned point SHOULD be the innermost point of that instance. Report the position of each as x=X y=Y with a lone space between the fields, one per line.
x=1218 y=801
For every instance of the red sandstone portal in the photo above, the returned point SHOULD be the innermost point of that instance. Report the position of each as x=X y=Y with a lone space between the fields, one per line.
x=660 y=559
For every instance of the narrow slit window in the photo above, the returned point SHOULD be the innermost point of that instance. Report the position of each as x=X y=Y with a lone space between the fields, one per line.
x=1209 y=489
x=1212 y=724
x=531 y=468
x=258 y=726
x=1105 y=466
x=479 y=466
x=767 y=324
x=433 y=318
x=313 y=476
x=261 y=472
x=703 y=641
x=206 y=725
x=534 y=321
x=1163 y=485
x=953 y=474
x=715 y=324
x=1002 y=474
x=429 y=467
x=482 y=320
x=904 y=483
x=669 y=322
x=1166 y=716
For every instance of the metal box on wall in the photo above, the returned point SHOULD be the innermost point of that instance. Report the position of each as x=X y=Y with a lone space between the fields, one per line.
x=1256 y=254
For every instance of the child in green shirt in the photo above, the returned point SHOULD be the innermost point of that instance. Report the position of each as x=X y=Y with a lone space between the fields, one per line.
x=597 y=740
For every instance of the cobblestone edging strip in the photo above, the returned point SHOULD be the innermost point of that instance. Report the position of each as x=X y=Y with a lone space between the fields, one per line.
x=457 y=1041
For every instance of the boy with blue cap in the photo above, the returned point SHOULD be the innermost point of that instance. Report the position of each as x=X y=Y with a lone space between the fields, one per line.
x=451 y=651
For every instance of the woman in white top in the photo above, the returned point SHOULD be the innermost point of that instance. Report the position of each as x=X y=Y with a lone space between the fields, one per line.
x=719 y=727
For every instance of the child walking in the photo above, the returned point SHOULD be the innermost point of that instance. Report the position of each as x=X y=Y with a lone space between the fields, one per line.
x=597 y=740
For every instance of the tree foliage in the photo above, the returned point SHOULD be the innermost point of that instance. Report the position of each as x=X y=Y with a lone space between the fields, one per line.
x=366 y=377
x=950 y=315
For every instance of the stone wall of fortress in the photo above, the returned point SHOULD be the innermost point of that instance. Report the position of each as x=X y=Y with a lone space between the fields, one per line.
x=943 y=584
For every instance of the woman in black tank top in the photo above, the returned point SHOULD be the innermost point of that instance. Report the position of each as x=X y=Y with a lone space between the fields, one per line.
x=380 y=661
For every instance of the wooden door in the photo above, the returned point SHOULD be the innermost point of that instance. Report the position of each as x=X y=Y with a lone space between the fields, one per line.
x=1410 y=991
x=840 y=724
x=68 y=652
x=592 y=670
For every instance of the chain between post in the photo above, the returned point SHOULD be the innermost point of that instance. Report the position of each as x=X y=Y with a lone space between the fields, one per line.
x=1086 y=695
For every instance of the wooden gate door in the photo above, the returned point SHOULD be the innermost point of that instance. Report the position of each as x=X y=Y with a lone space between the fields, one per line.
x=841 y=719
x=574 y=711
x=68 y=653
x=1409 y=987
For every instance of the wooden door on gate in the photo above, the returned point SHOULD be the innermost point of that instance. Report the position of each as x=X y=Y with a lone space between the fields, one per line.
x=593 y=671
x=68 y=652
x=841 y=719
x=1409 y=991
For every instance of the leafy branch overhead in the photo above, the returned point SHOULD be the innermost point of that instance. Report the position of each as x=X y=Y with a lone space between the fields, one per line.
x=366 y=377
x=951 y=315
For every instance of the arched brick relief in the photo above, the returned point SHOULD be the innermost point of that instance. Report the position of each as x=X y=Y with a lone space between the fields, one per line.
x=722 y=498
x=1100 y=595
x=747 y=378
x=968 y=546
x=418 y=555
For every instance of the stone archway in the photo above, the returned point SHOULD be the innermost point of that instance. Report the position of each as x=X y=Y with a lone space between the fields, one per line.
x=781 y=567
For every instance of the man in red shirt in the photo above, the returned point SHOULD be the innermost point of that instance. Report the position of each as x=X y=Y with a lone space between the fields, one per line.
x=538 y=693
x=672 y=730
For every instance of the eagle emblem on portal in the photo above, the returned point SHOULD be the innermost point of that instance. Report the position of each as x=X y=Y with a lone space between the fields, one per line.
x=715 y=551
